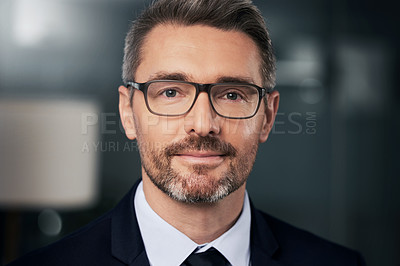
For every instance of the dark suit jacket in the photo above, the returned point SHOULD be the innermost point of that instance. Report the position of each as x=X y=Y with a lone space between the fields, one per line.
x=114 y=239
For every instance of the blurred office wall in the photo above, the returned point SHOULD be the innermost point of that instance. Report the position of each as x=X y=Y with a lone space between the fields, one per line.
x=330 y=164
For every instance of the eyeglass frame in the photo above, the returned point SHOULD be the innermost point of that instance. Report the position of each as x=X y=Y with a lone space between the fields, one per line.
x=143 y=87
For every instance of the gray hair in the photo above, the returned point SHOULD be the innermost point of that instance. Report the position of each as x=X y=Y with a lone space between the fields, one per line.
x=239 y=15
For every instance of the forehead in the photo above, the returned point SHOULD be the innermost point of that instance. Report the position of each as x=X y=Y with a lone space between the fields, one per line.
x=201 y=52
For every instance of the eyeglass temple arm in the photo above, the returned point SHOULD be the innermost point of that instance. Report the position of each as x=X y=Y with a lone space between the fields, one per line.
x=133 y=85
x=267 y=90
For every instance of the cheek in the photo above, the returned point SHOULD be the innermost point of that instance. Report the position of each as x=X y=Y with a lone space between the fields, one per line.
x=247 y=130
x=171 y=128
x=158 y=130
x=244 y=144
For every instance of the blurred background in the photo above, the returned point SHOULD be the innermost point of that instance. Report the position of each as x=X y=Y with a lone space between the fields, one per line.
x=329 y=165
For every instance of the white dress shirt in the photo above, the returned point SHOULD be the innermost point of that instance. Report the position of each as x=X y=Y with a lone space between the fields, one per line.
x=167 y=246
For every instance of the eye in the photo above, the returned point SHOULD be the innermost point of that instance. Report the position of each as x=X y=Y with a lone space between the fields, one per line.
x=232 y=96
x=170 y=93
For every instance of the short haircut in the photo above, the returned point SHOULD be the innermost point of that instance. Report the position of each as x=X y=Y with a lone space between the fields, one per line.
x=239 y=15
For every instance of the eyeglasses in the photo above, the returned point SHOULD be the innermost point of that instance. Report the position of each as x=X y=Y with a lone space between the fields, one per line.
x=176 y=98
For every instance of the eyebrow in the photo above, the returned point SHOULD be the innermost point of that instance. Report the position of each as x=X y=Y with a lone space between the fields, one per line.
x=228 y=79
x=170 y=76
x=186 y=77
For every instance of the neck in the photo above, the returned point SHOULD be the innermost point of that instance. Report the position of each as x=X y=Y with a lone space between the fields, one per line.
x=201 y=222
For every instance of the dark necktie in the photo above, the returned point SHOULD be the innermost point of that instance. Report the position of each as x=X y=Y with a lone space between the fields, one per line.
x=211 y=257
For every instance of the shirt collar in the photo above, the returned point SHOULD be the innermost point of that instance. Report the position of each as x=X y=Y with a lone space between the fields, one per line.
x=165 y=245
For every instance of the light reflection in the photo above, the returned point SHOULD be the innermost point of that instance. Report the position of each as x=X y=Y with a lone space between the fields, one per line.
x=32 y=20
x=311 y=91
x=49 y=222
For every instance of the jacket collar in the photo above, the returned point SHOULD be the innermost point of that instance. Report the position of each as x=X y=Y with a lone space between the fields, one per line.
x=126 y=241
x=263 y=244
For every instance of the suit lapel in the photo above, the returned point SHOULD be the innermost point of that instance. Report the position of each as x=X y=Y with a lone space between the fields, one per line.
x=126 y=240
x=263 y=244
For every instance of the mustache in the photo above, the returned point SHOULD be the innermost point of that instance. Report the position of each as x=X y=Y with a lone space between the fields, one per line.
x=206 y=143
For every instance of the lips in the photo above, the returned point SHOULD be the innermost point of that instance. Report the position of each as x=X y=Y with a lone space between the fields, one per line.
x=201 y=157
x=200 y=153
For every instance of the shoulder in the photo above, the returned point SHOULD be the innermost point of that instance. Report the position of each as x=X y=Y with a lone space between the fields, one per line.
x=86 y=246
x=306 y=248
x=111 y=239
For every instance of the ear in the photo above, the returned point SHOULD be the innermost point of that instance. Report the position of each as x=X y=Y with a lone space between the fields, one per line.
x=126 y=113
x=271 y=108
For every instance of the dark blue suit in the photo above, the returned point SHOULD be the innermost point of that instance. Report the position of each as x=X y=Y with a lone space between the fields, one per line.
x=114 y=239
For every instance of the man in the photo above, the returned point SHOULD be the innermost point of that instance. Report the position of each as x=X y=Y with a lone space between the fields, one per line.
x=198 y=99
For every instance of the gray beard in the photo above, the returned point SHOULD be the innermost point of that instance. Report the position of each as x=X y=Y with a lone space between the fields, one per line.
x=198 y=186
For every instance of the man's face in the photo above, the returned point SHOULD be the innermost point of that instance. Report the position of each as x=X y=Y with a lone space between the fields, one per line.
x=200 y=156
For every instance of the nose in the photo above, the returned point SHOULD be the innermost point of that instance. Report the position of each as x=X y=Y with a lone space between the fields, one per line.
x=202 y=119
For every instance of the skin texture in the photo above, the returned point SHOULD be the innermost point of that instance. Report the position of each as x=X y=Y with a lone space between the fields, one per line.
x=199 y=54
